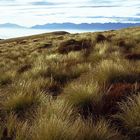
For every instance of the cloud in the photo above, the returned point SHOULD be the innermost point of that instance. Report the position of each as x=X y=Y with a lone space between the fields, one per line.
x=105 y=6
x=117 y=19
x=43 y=3
x=50 y=14
x=31 y=12
x=138 y=14
x=7 y=0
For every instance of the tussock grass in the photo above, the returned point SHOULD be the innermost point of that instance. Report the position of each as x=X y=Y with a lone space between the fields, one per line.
x=79 y=93
x=22 y=98
x=52 y=129
x=6 y=78
x=100 y=130
x=21 y=102
x=14 y=129
x=60 y=108
x=109 y=71
x=62 y=86
x=60 y=71
x=57 y=128
x=86 y=97
x=130 y=116
x=59 y=122
x=54 y=121
x=106 y=48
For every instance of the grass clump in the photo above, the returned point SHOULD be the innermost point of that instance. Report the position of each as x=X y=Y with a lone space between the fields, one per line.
x=58 y=121
x=109 y=71
x=52 y=129
x=61 y=73
x=14 y=129
x=22 y=98
x=127 y=44
x=85 y=96
x=130 y=117
x=6 y=78
x=54 y=122
x=100 y=130
x=21 y=102
x=106 y=48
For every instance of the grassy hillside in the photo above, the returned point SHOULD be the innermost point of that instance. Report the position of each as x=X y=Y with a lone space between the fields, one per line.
x=61 y=86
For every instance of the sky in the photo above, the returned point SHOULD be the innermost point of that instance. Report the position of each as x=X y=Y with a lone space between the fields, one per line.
x=32 y=12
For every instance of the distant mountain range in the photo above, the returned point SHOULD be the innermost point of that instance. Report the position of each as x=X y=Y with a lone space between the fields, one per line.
x=10 y=25
x=86 y=26
x=82 y=26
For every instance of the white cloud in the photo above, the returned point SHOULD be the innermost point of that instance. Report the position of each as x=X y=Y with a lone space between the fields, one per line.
x=24 y=12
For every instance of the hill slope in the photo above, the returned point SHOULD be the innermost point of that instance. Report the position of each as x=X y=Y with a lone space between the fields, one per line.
x=61 y=86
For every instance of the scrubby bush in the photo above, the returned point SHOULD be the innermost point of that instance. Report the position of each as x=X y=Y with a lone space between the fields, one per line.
x=74 y=45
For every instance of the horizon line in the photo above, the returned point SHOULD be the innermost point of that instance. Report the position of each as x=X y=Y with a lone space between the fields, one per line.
x=69 y=23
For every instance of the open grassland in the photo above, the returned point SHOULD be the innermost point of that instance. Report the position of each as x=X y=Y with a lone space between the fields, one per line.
x=61 y=86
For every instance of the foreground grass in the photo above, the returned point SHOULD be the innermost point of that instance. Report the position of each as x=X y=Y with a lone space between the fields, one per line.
x=62 y=86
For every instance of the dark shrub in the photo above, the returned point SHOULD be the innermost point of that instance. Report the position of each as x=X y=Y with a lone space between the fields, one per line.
x=100 y=38
x=24 y=68
x=54 y=89
x=35 y=40
x=74 y=45
x=132 y=56
x=5 y=135
x=60 y=33
x=121 y=43
x=22 y=41
x=129 y=78
x=46 y=45
x=126 y=44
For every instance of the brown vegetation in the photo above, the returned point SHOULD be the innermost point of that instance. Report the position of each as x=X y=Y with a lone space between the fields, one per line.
x=116 y=93
x=61 y=86
x=132 y=56
x=73 y=45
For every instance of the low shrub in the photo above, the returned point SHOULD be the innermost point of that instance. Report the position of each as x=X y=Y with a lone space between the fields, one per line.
x=74 y=45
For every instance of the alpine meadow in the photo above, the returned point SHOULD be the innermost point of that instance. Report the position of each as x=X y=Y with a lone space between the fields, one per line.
x=62 y=86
